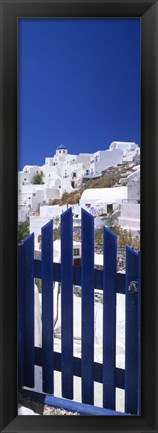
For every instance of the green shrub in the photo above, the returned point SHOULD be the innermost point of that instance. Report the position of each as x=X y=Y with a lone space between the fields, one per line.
x=23 y=230
x=37 y=179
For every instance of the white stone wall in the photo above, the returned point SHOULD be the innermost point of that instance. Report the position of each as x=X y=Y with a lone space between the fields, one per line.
x=130 y=216
x=23 y=213
x=30 y=197
x=123 y=145
x=51 y=194
x=133 y=186
x=36 y=223
x=52 y=211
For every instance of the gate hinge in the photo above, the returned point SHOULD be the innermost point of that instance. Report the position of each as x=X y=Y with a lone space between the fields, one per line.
x=133 y=287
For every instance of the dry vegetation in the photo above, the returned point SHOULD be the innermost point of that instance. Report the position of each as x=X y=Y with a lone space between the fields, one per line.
x=108 y=179
x=124 y=237
x=68 y=198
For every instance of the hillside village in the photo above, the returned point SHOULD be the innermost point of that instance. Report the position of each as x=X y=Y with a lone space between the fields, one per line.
x=106 y=184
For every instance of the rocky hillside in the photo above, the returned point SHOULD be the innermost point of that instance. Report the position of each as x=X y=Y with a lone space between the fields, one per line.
x=109 y=178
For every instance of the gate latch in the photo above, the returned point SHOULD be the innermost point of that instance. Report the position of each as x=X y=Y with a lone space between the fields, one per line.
x=133 y=287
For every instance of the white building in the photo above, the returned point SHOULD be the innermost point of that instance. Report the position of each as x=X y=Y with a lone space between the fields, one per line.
x=26 y=176
x=23 y=213
x=103 y=159
x=105 y=199
x=133 y=186
x=54 y=211
x=129 y=217
x=130 y=150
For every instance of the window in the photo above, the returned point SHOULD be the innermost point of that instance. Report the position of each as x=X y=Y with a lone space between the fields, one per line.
x=74 y=174
x=109 y=208
x=37 y=171
x=34 y=194
x=88 y=205
x=76 y=252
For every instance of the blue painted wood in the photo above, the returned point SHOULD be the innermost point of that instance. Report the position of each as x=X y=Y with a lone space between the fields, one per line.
x=87 y=308
x=131 y=334
x=109 y=318
x=67 y=303
x=83 y=409
x=139 y=337
x=98 y=368
x=28 y=275
x=20 y=318
x=47 y=306
x=98 y=276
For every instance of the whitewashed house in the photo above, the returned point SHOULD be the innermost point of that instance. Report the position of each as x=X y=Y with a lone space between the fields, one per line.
x=54 y=211
x=106 y=200
x=133 y=186
x=103 y=159
x=26 y=176
x=130 y=150
x=23 y=213
x=30 y=196
x=129 y=217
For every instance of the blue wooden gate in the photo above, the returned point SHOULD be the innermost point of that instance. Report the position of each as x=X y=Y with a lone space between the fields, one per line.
x=86 y=276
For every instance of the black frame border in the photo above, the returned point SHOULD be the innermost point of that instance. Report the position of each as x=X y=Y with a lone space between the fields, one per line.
x=148 y=13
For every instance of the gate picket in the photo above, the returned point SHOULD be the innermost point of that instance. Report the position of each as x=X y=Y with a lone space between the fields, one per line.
x=20 y=317
x=131 y=332
x=87 y=308
x=47 y=306
x=109 y=318
x=139 y=337
x=67 y=303
x=28 y=285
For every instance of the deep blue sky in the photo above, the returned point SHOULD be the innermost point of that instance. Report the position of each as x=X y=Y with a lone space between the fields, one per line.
x=78 y=85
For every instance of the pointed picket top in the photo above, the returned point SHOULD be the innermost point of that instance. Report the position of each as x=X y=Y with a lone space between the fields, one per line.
x=85 y=213
x=110 y=232
x=131 y=250
x=29 y=237
x=49 y=223
x=67 y=211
